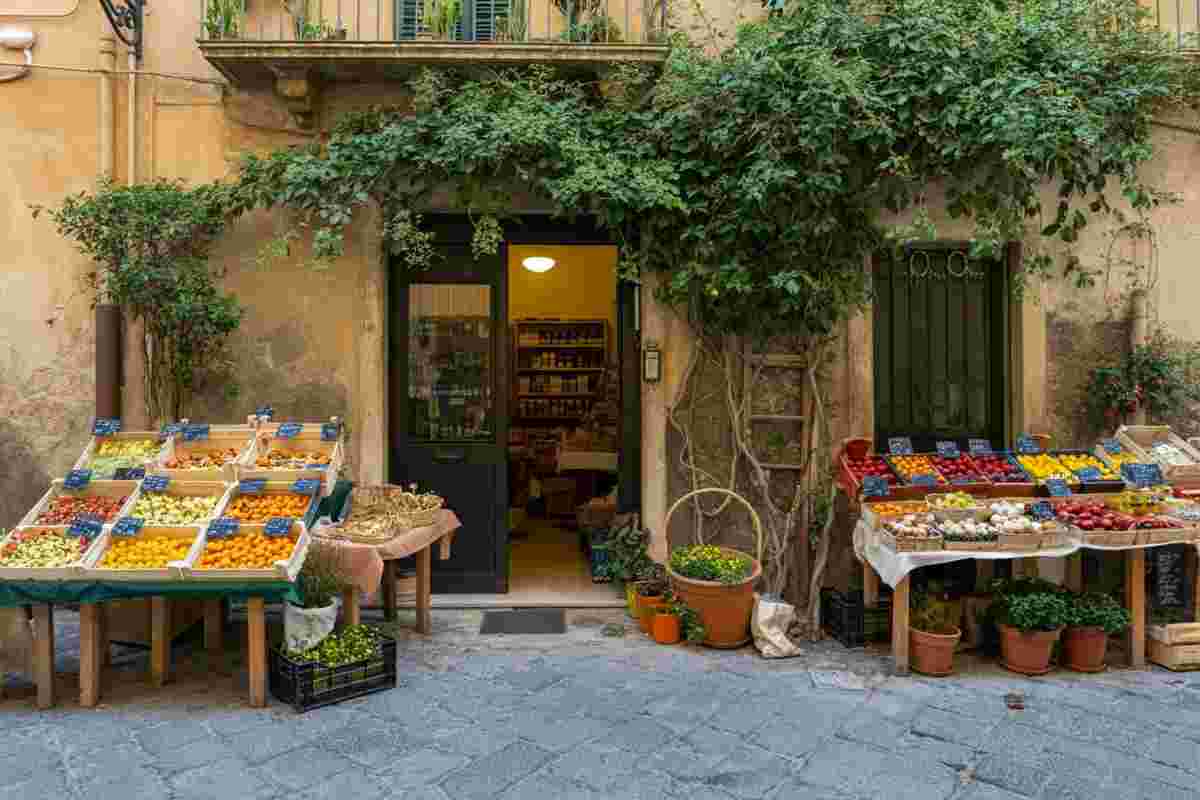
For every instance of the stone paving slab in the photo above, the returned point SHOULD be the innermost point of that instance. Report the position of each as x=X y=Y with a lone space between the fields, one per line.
x=589 y=716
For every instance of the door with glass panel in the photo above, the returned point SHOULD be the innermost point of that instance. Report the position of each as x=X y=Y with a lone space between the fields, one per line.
x=449 y=414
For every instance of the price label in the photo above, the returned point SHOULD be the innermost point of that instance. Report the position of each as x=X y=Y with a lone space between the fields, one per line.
x=306 y=486
x=266 y=412
x=170 y=430
x=278 y=526
x=106 y=426
x=1058 y=487
x=77 y=479
x=86 y=525
x=156 y=483
x=251 y=485
x=947 y=449
x=1142 y=474
x=1028 y=446
x=979 y=447
x=127 y=526
x=1088 y=474
x=316 y=466
x=222 y=528
x=875 y=486
x=330 y=431
x=962 y=480
x=289 y=430
x=924 y=480
x=900 y=446
x=1111 y=446
x=1041 y=510
x=192 y=433
x=129 y=473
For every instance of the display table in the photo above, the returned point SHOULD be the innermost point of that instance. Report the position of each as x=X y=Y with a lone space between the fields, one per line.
x=893 y=568
x=368 y=563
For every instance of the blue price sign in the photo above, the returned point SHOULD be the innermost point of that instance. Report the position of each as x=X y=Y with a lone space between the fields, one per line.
x=222 y=528
x=278 y=526
x=127 y=526
x=979 y=447
x=875 y=486
x=266 y=412
x=1142 y=474
x=330 y=431
x=947 y=449
x=306 y=486
x=1088 y=474
x=316 y=466
x=251 y=485
x=77 y=479
x=962 y=480
x=289 y=430
x=1111 y=446
x=88 y=526
x=1057 y=487
x=129 y=473
x=1027 y=445
x=170 y=430
x=924 y=480
x=1041 y=510
x=900 y=446
x=106 y=426
x=192 y=433
x=156 y=483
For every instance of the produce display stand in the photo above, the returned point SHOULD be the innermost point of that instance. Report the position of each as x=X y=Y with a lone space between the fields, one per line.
x=309 y=438
x=176 y=446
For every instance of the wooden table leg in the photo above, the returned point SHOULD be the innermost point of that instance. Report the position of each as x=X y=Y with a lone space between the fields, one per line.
x=214 y=631
x=256 y=613
x=444 y=546
x=389 y=590
x=160 y=641
x=105 y=639
x=900 y=626
x=43 y=654
x=350 y=609
x=1135 y=601
x=424 y=590
x=1029 y=567
x=870 y=585
x=89 y=654
x=1074 y=576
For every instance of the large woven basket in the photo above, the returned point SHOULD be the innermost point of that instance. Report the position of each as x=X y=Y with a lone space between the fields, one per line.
x=376 y=514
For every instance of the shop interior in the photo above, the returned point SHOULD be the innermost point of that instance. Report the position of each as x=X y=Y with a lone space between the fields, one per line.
x=564 y=420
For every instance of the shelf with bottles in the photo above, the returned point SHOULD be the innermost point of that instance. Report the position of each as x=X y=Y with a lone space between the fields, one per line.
x=553 y=408
x=559 y=361
x=578 y=333
x=552 y=384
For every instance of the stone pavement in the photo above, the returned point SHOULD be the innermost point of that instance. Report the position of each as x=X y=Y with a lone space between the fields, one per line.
x=592 y=715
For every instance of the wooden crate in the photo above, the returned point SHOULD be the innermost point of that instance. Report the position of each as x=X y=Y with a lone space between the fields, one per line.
x=85 y=457
x=308 y=439
x=128 y=489
x=176 y=445
x=221 y=491
x=1138 y=439
x=172 y=571
x=281 y=571
x=1175 y=633
x=1177 y=657
x=69 y=572
x=277 y=487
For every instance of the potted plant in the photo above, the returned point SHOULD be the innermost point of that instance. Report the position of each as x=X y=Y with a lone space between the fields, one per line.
x=222 y=19
x=1030 y=626
x=674 y=620
x=1002 y=589
x=718 y=583
x=441 y=18
x=1092 y=619
x=651 y=595
x=629 y=560
x=933 y=634
x=319 y=585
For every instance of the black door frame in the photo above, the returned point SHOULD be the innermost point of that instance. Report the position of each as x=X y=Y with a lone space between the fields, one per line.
x=531 y=229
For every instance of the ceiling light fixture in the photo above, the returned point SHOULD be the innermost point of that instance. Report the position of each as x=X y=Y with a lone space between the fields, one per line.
x=538 y=263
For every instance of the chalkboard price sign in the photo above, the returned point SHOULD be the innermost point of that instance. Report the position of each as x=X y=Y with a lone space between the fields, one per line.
x=222 y=528
x=278 y=526
x=1058 y=487
x=900 y=446
x=289 y=430
x=1088 y=474
x=251 y=485
x=1142 y=474
x=1028 y=446
x=875 y=486
x=306 y=486
x=129 y=473
x=1111 y=446
x=77 y=479
x=128 y=526
x=979 y=447
x=924 y=480
x=192 y=433
x=1168 y=577
x=85 y=525
x=1041 y=510
x=156 y=483
x=330 y=431
x=947 y=449
x=106 y=426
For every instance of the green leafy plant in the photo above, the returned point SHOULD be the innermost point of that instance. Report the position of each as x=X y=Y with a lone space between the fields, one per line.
x=1039 y=611
x=706 y=562
x=1159 y=375
x=1098 y=611
x=516 y=22
x=222 y=19
x=441 y=17
x=934 y=613
x=653 y=583
x=322 y=578
x=690 y=624
x=628 y=553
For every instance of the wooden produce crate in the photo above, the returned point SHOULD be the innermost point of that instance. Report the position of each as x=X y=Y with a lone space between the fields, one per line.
x=177 y=446
x=1109 y=538
x=1091 y=487
x=284 y=570
x=905 y=544
x=853 y=486
x=977 y=546
x=126 y=489
x=875 y=517
x=1138 y=439
x=1175 y=633
x=220 y=490
x=1020 y=541
x=85 y=459
x=308 y=440
x=69 y=572
x=1177 y=657
x=1015 y=489
x=92 y=570
x=275 y=488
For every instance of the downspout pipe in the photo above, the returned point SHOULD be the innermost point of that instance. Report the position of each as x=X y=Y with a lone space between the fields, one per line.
x=108 y=316
x=1139 y=330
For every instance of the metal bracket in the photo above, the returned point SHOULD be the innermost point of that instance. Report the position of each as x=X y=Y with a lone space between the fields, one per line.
x=126 y=20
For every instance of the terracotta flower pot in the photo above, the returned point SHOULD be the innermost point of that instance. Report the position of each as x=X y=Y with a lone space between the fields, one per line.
x=666 y=628
x=724 y=608
x=1027 y=653
x=1084 y=648
x=933 y=653
x=647 y=608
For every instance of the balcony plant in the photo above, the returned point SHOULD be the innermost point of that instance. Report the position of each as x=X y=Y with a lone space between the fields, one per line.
x=933 y=634
x=222 y=19
x=1030 y=626
x=441 y=18
x=1092 y=619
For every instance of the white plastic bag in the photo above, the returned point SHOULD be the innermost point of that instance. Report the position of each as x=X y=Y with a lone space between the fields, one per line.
x=769 y=624
x=306 y=627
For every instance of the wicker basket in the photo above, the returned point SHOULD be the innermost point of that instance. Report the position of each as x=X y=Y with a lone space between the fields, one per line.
x=383 y=502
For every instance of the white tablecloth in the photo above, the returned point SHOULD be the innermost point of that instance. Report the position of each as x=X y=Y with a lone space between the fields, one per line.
x=894 y=567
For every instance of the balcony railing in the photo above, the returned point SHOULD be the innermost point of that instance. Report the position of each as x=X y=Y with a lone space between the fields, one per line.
x=591 y=22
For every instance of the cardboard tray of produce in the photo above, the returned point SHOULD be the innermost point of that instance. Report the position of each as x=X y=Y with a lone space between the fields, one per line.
x=906 y=544
x=128 y=489
x=276 y=488
x=309 y=439
x=175 y=446
x=169 y=572
x=1138 y=439
x=222 y=491
x=85 y=458
x=285 y=570
x=69 y=572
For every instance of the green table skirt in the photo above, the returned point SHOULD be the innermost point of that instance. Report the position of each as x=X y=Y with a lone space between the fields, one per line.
x=19 y=593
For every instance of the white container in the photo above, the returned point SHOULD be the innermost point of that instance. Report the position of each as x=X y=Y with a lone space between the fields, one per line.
x=306 y=627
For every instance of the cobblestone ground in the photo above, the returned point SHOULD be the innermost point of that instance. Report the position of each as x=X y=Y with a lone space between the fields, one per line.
x=593 y=715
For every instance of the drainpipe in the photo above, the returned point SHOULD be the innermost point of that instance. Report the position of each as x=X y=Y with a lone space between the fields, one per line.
x=1138 y=331
x=108 y=316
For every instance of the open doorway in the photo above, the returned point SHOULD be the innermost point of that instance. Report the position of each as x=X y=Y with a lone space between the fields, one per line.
x=564 y=406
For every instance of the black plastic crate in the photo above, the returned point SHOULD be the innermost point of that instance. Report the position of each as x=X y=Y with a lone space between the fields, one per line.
x=308 y=686
x=844 y=616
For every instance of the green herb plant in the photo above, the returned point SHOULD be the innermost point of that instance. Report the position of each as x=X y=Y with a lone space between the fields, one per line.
x=690 y=624
x=1098 y=611
x=1039 y=611
x=706 y=562
x=322 y=577
x=933 y=613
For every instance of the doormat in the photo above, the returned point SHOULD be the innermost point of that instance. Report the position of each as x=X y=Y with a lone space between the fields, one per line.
x=525 y=620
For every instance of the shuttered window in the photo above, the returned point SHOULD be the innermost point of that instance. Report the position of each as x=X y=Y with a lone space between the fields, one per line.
x=478 y=19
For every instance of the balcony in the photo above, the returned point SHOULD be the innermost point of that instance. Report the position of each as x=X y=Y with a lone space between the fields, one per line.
x=258 y=43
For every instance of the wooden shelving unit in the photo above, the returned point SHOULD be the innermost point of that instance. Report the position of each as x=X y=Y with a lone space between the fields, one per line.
x=556 y=367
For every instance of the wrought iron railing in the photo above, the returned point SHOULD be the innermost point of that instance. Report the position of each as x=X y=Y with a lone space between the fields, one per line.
x=484 y=21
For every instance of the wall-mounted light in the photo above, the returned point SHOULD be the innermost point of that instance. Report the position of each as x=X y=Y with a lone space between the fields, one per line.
x=17 y=39
x=651 y=363
x=538 y=263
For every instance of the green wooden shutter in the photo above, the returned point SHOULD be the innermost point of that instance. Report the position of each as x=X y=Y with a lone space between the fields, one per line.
x=408 y=19
x=484 y=15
